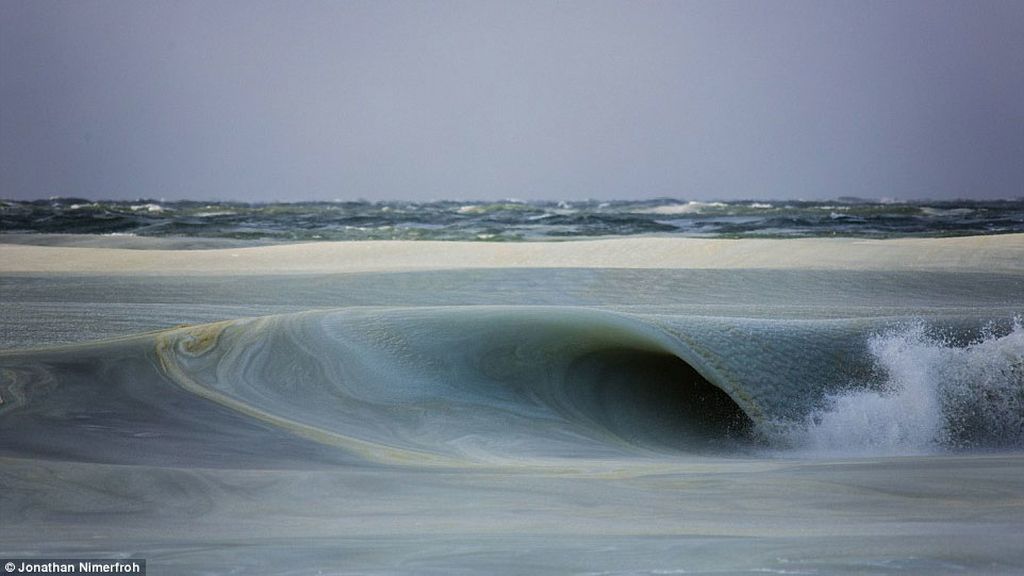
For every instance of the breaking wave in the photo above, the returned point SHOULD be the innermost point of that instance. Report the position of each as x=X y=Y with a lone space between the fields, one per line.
x=937 y=395
x=457 y=385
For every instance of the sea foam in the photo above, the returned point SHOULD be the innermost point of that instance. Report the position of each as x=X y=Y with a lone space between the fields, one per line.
x=935 y=396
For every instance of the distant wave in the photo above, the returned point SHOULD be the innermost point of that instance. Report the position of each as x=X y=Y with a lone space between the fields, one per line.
x=691 y=207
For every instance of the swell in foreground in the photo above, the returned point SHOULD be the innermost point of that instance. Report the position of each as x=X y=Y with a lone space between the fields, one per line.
x=519 y=419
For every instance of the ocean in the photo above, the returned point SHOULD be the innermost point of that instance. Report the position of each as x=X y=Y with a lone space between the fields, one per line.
x=659 y=387
x=512 y=220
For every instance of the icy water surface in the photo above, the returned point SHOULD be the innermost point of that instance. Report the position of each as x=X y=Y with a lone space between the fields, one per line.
x=517 y=421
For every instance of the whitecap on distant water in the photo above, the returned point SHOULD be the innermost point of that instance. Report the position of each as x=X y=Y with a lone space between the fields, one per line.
x=151 y=207
x=692 y=207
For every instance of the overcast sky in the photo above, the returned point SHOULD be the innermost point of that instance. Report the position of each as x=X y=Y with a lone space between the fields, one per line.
x=302 y=100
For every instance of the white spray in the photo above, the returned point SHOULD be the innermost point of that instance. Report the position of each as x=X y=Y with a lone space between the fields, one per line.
x=936 y=396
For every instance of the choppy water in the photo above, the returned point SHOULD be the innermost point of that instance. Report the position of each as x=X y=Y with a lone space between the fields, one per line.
x=512 y=220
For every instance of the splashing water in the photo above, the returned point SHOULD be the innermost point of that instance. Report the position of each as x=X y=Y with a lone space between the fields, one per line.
x=935 y=397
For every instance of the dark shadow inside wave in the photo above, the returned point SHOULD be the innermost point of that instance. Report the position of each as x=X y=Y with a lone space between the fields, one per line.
x=655 y=400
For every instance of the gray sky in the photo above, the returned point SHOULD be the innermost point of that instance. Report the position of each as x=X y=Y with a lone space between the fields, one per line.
x=562 y=100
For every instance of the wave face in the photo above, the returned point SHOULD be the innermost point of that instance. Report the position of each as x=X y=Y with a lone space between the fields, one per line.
x=453 y=386
x=510 y=220
x=470 y=383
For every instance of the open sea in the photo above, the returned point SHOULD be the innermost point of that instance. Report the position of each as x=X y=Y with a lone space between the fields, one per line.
x=512 y=220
